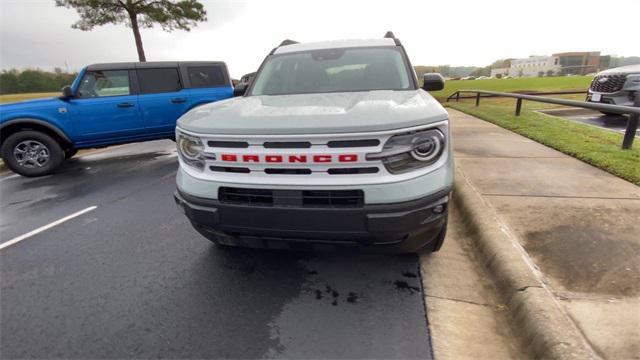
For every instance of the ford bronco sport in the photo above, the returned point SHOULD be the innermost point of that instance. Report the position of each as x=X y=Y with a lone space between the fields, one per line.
x=107 y=104
x=332 y=144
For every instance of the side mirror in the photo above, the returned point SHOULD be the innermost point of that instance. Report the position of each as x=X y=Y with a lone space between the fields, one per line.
x=67 y=93
x=433 y=82
x=240 y=89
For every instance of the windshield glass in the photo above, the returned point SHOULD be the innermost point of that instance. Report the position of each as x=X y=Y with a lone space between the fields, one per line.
x=333 y=70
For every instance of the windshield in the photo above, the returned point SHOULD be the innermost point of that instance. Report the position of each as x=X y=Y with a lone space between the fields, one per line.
x=333 y=70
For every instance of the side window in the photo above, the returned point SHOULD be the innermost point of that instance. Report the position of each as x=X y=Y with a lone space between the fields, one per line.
x=104 y=83
x=158 y=80
x=206 y=76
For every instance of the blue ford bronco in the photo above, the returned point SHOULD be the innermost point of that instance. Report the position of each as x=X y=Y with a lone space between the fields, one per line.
x=107 y=104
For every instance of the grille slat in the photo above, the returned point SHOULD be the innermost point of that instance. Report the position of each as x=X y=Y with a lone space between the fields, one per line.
x=242 y=170
x=287 y=144
x=353 y=171
x=228 y=144
x=613 y=83
x=285 y=171
x=353 y=143
x=304 y=198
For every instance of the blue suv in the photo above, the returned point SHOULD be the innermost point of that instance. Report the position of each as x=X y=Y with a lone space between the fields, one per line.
x=107 y=104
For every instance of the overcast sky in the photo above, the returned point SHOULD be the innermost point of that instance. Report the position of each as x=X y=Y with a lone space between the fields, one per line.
x=35 y=33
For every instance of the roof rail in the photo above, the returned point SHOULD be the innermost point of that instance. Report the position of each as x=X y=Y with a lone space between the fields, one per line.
x=287 y=42
x=389 y=35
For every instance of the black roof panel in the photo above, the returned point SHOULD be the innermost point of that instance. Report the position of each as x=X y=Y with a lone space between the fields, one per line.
x=150 y=65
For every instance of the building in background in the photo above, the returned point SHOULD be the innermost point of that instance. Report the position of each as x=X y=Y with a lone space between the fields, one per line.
x=569 y=63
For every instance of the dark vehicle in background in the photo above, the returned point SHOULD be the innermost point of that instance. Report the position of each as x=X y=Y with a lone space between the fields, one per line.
x=107 y=104
x=617 y=86
x=247 y=78
x=244 y=83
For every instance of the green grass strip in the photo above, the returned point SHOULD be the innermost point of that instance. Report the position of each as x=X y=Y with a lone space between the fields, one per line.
x=598 y=147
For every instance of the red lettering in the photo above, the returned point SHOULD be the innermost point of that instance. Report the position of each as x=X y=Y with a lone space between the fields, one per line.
x=250 y=158
x=273 y=158
x=321 y=158
x=298 y=158
x=348 y=158
x=229 y=157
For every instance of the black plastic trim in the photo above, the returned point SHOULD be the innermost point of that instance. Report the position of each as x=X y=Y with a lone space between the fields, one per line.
x=228 y=144
x=353 y=143
x=287 y=144
x=398 y=227
x=27 y=121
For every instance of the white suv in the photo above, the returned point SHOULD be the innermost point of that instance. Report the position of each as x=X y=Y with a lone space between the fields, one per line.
x=333 y=144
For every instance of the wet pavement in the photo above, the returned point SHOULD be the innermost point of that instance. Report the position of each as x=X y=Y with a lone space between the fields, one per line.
x=133 y=279
x=611 y=122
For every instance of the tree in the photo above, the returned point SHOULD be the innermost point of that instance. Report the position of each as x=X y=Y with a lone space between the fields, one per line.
x=550 y=73
x=169 y=14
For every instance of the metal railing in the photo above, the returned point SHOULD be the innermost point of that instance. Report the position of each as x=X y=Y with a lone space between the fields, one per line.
x=457 y=96
x=632 y=111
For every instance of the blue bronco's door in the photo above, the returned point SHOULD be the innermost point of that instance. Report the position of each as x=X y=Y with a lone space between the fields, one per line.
x=105 y=108
x=162 y=99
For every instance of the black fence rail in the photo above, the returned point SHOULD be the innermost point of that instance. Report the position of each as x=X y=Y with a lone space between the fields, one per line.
x=457 y=95
x=632 y=111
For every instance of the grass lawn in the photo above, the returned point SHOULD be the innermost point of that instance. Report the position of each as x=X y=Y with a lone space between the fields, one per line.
x=513 y=85
x=595 y=146
x=20 y=97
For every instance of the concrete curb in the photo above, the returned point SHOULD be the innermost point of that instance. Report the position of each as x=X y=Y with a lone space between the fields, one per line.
x=545 y=330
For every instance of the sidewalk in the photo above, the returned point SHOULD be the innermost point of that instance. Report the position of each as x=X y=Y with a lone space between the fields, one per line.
x=580 y=225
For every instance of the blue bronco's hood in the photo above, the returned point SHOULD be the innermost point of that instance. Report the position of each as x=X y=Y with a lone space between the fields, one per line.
x=31 y=104
x=28 y=107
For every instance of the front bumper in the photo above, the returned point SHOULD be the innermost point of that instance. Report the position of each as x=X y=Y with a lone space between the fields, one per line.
x=399 y=227
x=622 y=97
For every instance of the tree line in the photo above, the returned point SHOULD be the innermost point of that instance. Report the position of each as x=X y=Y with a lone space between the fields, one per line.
x=33 y=80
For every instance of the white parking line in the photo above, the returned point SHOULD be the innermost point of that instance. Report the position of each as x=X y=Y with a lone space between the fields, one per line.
x=46 y=227
x=9 y=177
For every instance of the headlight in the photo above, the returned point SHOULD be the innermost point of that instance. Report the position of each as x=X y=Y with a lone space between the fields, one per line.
x=190 y=149
x=402 y=153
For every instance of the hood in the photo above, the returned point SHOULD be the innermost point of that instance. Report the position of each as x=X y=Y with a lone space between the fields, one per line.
x=315 y=113
x=30 y=104
x=629 y=69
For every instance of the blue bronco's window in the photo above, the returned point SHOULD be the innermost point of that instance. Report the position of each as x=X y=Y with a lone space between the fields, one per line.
x=206 y=76
x=334 y=70
x=104 y=83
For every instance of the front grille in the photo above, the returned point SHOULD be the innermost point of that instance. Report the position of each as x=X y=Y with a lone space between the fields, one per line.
x=613 y=83
x=299 y=198
x=332 y=198
x=245 y=196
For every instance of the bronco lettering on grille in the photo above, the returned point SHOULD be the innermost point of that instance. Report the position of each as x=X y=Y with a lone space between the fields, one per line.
x=291 y=159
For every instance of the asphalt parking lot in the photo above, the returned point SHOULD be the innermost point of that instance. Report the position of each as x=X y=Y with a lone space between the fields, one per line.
x=616 y=123
x=128 y=277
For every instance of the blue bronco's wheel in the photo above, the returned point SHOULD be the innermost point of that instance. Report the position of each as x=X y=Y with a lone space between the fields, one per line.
x=32 y=153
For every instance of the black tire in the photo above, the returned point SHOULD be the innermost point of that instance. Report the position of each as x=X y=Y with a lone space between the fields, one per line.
x=42 y=155
x=69 y=153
